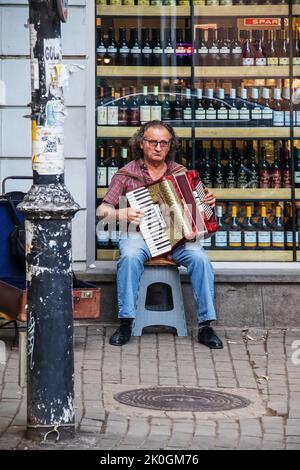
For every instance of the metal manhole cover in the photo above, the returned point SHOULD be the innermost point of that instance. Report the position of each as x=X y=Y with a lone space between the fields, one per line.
x=181 y=399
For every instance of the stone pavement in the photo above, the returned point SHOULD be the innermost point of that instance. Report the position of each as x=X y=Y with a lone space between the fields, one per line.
x=262 y=366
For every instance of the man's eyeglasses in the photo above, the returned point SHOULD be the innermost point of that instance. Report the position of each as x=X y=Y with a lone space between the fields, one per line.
x=154 y=143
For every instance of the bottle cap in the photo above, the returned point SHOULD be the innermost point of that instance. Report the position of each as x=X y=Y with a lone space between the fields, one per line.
x=233 y=93
x=199 y=93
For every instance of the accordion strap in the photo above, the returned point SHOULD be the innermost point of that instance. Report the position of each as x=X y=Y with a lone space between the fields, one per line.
x=123 y=172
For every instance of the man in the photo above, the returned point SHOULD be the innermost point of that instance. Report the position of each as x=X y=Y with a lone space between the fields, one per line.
x=153 y=146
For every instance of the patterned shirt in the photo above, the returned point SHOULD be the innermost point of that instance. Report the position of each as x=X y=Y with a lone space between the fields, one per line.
x=121 y=183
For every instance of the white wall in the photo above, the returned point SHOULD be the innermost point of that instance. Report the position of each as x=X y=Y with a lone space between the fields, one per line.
x=15 y=133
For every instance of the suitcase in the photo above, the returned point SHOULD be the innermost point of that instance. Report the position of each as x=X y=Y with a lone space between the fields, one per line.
x=86 y=297
x=13 y=299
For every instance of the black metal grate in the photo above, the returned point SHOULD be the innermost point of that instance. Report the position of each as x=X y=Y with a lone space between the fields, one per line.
x=181 y=399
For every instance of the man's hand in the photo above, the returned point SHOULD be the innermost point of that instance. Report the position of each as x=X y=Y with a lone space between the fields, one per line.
x=209 y=198
x=130 y=215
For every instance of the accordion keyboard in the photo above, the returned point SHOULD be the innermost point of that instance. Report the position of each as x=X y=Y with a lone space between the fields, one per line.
x=152 y=225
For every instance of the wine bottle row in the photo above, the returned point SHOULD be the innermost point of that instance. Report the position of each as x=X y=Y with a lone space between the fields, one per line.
x=212 y=47
x=208 y=107
x=243 y=227
x=219 y=167
x=243 y=168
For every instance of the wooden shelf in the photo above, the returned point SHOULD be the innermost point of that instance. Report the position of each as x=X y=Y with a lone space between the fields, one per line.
x=123 y=132
x=248 y=255
x=142 y=10
x=249 y=194
x=140 y=71
x=241 y=10
x=221 y=255
x=245 y=132
x=245 y=71
x=204 y=11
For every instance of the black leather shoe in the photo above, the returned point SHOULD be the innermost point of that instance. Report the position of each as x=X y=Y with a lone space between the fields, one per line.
x=208 y=337
x=121 y=335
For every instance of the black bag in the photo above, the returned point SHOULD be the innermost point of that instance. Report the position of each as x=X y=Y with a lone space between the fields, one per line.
x=17 y=235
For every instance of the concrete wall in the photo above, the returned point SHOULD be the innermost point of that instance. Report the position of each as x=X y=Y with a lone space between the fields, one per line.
x=15 y=130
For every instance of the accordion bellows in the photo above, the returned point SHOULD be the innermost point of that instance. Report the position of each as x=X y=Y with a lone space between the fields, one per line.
x=174 y=211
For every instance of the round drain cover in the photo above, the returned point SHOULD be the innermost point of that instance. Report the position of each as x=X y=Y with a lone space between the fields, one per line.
x=181 y=399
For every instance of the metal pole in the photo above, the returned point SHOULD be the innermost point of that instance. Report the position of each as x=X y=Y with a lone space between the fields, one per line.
x=48 y=208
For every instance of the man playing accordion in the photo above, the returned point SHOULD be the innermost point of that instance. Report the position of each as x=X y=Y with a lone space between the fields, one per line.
x=153 y=147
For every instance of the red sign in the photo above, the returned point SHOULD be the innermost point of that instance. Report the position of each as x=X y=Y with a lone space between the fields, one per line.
x=262 y=21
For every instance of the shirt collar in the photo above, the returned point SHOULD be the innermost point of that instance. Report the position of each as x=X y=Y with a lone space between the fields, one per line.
x=144 y=167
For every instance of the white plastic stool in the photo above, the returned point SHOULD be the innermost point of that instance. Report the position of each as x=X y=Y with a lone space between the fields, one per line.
x=170 y=312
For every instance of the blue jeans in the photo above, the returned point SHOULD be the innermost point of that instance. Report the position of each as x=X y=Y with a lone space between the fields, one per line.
x=134 y=252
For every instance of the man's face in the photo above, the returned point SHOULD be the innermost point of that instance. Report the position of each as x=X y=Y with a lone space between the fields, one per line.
x=155 y=144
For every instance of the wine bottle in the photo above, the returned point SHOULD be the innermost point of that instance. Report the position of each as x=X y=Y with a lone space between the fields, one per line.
x=247 y=54
x=233 y=112
x=278 y=112
x=230 y=177
x=221 y=236
x=249 y=231
x=213 y=49
x=264 y=230
x=235 y=234
x=168 y=50
x=146 y=48
x=297 y=169
x=112 y=51
x=145 y=108
x=275 y=170
x=266 y=114
x=135 y=48
x=244 y=109
x=199 y=110
x=155 y=106
x=219 y=173
x=101 y=110
x=286 y=167
x=253 y=179
x=134 y=109
x=123 y=109
x=277 y=234
x=112 y=110
x=157 y=49
x=211 y=113
x=101 y=169
x=177 y=107
x=283 y=49
x=112 y=164
x=101 y=48
x=123 y=48
x=166 y=110
x=222 y=111
x=264 y=170
x=187 y=107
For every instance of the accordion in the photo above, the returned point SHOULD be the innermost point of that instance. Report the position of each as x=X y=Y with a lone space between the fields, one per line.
x=174 y=211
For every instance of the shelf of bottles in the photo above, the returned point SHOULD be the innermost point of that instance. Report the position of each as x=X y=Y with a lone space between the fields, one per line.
x=224 y=74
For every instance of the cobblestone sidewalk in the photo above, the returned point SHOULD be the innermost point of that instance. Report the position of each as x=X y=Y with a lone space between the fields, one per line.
x=262 y=366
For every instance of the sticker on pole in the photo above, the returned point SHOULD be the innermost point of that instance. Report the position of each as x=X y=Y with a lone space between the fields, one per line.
x=52 y=56
x=48 y=157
